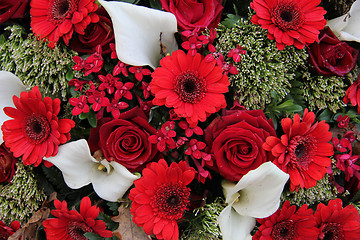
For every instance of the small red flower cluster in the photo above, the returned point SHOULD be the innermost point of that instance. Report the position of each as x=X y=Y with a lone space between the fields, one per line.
x=193 y=43
x=328 y=222
x=346 y=161
x=111 y=91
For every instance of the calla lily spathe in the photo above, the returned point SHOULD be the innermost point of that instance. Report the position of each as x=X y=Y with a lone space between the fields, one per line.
x=110 y=180
x=139 y=32
x=256 y=195
x=10 y=85
x=346 y=27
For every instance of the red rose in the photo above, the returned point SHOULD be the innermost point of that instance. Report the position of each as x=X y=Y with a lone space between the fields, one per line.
x=11 y=9
x=191 y=14
x=125 y=140
x=7 y=164
x=99 y=33
x=330 y=56
x=235 y=141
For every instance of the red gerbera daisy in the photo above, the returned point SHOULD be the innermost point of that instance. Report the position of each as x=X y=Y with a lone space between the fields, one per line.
x=35 y=131
x=160 y=198
x=53 y=19
x=71 y=225
x=189 y=84
x=337 y=223
x=290 y=22
x=303 y=151
x=286 y=224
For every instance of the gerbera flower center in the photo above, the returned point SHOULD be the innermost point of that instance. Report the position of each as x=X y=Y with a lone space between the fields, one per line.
x=37 y=128
x=301 y=149
x=170 y=201
x=284 y=230
x=76 y=230
x=59 y=9
x=331 y=231
x=190 y=87
x=288 y=17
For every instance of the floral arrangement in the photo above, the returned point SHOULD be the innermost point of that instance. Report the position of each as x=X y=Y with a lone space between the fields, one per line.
x=163 y=119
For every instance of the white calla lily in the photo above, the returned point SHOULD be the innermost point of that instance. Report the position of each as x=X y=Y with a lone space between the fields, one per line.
x=256 y=195
x=10 y=85
x=138 y=31
x=346 y=27
x=110 y=180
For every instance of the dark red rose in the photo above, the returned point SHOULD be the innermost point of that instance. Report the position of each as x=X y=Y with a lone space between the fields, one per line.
x=99 y=33
x=235 y=142
x=191 y=14
x=12 y=9
x=330 y=56
x=6 y=231
x=7 y=164
x=125 y=140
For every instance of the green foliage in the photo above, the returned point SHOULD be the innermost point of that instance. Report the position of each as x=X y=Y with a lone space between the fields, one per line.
x=20 y=199
x=110 y=224
x=93 y=236
x=113 y=207
x=321 y=92
x=276 y=109
x=35 y=63
x=263 y=69
x=203 y=224
x=54 y=176
x=322 y=192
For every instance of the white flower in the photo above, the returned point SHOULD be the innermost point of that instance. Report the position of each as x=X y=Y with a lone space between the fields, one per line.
x=256 y=195
x=346 y=27
x=10 y=85
x=138 y=31
x=110 y=180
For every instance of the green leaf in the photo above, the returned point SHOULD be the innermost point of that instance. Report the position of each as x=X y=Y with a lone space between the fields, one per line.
x=285 y=104
x=2 y=39
x=230 y=21
x=73 y=92
x=113 y=207
x=83 y=116
x=69 y=75
x=325 y=115
x=356 y=198
x=110 y=224
x=93 y=236
x=155 y=4
x=293 y=108
x=92 y=119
